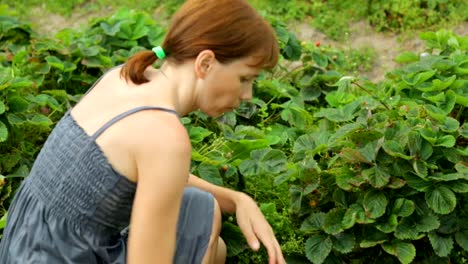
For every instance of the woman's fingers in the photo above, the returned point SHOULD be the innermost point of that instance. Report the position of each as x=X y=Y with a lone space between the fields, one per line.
x=249 y=234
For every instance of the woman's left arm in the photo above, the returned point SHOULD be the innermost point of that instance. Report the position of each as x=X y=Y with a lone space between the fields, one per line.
x=251 y=221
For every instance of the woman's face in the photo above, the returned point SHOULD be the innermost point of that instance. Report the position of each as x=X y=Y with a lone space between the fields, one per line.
x=227 y=85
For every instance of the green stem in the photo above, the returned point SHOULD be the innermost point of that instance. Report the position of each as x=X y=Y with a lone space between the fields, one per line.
x=375 y=97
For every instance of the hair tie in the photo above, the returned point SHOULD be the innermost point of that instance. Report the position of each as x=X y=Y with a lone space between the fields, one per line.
x=159 y=52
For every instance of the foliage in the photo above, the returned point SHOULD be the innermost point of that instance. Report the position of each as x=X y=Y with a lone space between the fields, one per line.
x=346 y=170
x=402 y=15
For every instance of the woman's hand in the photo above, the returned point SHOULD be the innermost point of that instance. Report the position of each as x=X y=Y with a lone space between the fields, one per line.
x=256 y=229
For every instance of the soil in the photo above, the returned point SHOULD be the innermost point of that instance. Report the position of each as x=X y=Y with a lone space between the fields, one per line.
x=387 y=45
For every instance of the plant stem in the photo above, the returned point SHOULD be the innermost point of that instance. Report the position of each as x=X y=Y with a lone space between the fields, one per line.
x=373 y=96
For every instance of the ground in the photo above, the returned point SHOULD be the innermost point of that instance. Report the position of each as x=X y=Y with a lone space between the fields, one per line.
x=387 y=45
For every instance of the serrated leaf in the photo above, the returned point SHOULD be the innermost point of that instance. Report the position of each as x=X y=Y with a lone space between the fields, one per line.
x=427 y=223
x=406 y=230
x=332 y=222
x=441 y=199
x=349 y=218
x=403 y=207
x=313 y=223
x=404 y=251
x=353 y=156
x=377 y=176
x=389 y=226
x=210 y=173
x=373 y=238
x=458 y=186
x=263 y=161
x=461 y=167
x=462 y=238
x=375 y=203
x=441 y=245
x=393 y=148
x=450 y=125
x=343 y=242
x=317 y=248
x=418 y=183
x=447 y=141
x=450 y=177
x=420 y=168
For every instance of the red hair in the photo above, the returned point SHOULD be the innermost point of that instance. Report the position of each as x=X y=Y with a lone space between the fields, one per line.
x=232 y=29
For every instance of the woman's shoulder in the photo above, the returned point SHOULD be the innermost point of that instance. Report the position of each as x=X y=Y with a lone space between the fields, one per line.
x=156 y=128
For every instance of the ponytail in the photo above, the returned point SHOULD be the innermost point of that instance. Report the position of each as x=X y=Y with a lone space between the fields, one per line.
x=135 y=67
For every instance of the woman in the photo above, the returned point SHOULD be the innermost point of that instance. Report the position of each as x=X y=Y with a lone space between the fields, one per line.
x=121 y=156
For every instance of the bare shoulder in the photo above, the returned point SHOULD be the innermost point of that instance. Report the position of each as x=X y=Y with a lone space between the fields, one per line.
x=154 y=128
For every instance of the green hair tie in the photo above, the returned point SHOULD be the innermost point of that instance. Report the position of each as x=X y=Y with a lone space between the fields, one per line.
x=159 y=52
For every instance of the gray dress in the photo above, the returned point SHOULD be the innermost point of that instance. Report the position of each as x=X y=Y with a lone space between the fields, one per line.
x=74 y=207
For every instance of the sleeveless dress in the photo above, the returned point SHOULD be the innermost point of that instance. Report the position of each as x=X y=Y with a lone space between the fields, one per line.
x=74 y=207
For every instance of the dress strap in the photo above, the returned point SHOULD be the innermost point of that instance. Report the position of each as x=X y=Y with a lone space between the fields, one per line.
x=127 y=113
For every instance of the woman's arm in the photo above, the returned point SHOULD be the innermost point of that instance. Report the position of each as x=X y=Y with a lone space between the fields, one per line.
x=163 y=161
x=226 y=198
x=251 y=221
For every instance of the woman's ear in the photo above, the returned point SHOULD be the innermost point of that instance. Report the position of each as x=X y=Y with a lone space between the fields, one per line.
x=204 y=63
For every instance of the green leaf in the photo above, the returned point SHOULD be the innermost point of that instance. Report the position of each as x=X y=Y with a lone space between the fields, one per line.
x=418 y=183
x=353 y=156
x=372 y=238
x=420 y=168
x=313 y=223
x=317 y=248
x=447 y=141
x=17 y=104
x=404 y=251
x=264 y=161
x=403 y=207
x=450 y=125
x=210 y=173
x=394 y=148
x=441 y=245
x=389 y=226
x=376 y=176
x=2 y=107
x=236 y=244
x=3 y=220
x=458 y=186
x=450 y=176
x=332 y=222
x=343 y=242
x=41 y=120
x=375 y=203
x=462 y=168
x=406 y=230
x=427 y=223
x=349 y=218
x=197 y=134
x=55 y=62
x=441 y=199
x=462 y=238
x=295 y=194
x=3 y=132
x=406 y=57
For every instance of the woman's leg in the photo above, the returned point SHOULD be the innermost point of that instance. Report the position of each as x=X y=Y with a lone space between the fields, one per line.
x=216 y=251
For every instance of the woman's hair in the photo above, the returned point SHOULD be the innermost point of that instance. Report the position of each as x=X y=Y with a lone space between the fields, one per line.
x=232 y=29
